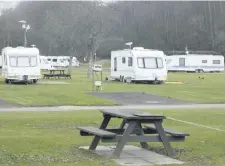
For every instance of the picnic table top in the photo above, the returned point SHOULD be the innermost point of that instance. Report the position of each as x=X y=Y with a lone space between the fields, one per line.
x=132 y=114
x=57 y=70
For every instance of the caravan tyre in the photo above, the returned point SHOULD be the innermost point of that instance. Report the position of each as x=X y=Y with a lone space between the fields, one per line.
x=9 y=81
x=197 y=71
x=6 y=81
x=35 y=81
x=122 y=79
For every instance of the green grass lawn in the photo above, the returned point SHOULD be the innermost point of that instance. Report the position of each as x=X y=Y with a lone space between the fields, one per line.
x=50 y=138
x=211 y=89
x=73 y=93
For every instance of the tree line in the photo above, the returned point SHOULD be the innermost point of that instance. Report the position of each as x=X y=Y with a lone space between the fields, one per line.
x=84 y=28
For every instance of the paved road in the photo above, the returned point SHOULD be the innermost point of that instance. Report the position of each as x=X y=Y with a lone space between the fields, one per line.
x=127 y=107
x=138 y=98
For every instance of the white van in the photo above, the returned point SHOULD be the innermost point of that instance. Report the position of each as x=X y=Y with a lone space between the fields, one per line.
x=195 y=63
x=45 y=64
x=138 y=65
x=21 y=64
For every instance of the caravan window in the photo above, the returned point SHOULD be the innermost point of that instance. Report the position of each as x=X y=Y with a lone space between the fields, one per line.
x=115 y=64
x=23 y=61
x=140 y=62
x=123 y=60
x=168 y=61
x=204 y=61
x=130 y=61
x=49 y=59
x=45 y=61
x=5 y=59
x=159 y=63
x=150 y=63
x=216 y=61
x=54 y=60
x=33 y=61
x=12 y=61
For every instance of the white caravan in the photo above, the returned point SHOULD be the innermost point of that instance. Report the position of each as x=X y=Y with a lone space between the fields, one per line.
x=75 y=62
x=0 y=61
x=57 y=61
x=21 y=64
x=62 y=61
x=138 y=65
x=195 y=63
x=45 y=64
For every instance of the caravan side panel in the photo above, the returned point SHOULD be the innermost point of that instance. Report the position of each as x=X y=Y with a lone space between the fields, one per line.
x=119 y=64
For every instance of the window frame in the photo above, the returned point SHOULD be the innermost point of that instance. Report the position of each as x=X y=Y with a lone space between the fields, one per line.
x=157 y=67
x=130 y=61
x=123 y=60
x=204 y=61
x=216 y=63
x=10 y=61
x=35 y=61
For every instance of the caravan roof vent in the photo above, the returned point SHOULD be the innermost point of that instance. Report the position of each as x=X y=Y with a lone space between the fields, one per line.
x=138 y=48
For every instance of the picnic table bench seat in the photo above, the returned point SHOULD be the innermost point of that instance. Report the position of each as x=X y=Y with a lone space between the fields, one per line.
x=168 y=131
x=90 y=130
x=57 y=75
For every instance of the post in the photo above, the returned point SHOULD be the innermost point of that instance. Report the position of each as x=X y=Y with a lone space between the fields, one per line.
x=93 y=80
x=25 y=38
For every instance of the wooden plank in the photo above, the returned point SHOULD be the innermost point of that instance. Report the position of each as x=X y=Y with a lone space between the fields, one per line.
x=169 y=131
x=121 y=131
x=131 y=115
x=96 y=131
x=154 y=138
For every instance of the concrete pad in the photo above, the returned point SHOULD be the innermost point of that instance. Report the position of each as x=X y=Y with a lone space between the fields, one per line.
x=54 y=82
x=138 y=98
x=134 y=156
x=154 y=157
x=134 y=161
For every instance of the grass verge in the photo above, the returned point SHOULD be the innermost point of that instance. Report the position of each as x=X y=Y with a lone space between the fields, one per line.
x=50 y=138
x=207 y=90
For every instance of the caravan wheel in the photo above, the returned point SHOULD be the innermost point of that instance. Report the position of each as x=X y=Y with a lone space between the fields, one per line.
x=35 y=81
x=6 y=81
x=199 y=71
x=122 y=79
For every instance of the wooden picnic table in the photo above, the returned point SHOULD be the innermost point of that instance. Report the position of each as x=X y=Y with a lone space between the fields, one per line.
x=57 y=73
x=134 y=132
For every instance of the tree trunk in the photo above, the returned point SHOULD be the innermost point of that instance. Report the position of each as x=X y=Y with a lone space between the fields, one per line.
x=50 y=49
x=70 y=62
x=210 y=23
x=70 y=65
x=90 y=64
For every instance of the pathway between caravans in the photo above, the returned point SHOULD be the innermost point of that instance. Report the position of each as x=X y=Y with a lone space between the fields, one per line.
x=125 y=107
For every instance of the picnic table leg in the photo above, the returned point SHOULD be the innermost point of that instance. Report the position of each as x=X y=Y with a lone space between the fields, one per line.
x=96 y=139
x=123 y=141
x=165 y=141
x=141 y=132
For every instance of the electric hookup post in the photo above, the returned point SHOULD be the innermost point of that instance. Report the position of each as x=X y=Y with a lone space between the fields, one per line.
x=96 y=79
